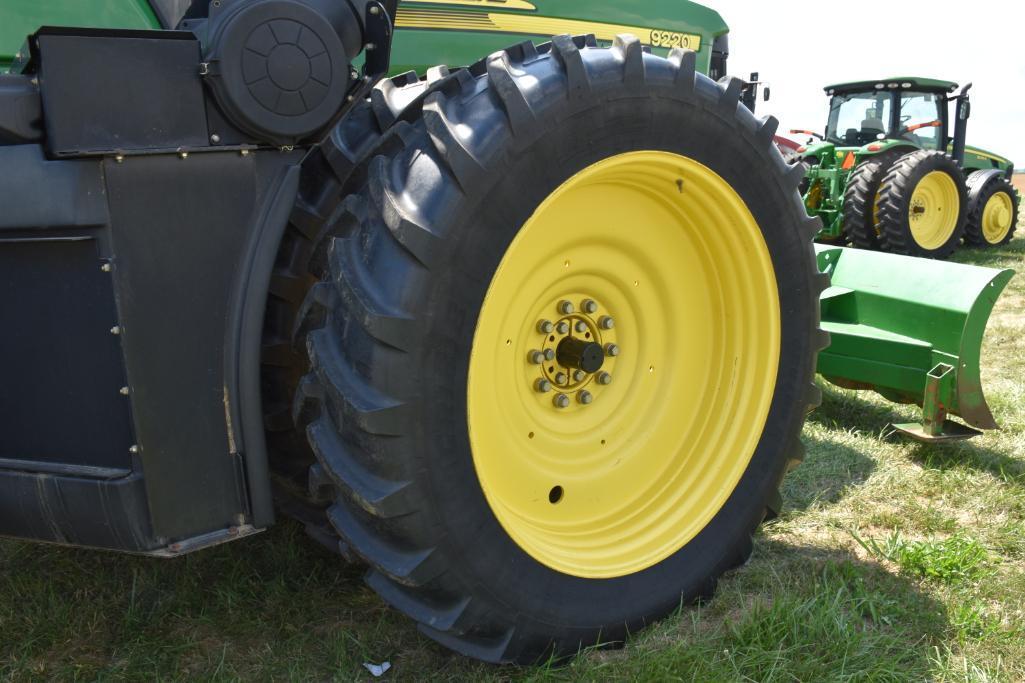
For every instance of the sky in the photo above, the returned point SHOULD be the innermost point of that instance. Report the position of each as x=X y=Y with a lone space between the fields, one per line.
x=799 y=46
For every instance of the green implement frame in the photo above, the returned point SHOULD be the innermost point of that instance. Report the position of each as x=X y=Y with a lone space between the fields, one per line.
x=910 y=329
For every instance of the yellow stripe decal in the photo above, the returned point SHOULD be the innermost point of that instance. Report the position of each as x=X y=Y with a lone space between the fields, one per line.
x=526 y=24
x=497 y=4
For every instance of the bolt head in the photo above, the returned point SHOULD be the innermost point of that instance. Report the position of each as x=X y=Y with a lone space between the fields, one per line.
x=183 y=155
x=133 y=450
x=611 y=350
x=566 y=307
x=116 y=329
x=124 y=391
x=561 y=378
x=606 y=322
x=549 y=354
x=605 y=378
x=589 y=306
x=536 y=357
x=579 y=375
x=545 y=327
x=581 y=326
x=375 y=10
x=106 y=268
x=561 y=401
x=562 y=328
x=542 y=386
x=585 y=397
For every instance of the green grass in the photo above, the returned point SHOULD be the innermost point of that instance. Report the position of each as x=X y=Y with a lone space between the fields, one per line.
x=894 y=561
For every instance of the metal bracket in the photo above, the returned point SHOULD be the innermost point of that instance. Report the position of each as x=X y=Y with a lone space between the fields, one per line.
x=940 y=390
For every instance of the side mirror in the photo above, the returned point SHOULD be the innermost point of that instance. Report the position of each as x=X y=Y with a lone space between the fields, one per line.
x=766 y=93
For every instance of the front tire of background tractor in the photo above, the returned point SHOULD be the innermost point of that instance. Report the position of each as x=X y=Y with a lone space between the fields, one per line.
x=564 y=347
x=860 y=198
x=921 y=206
x=992 y=209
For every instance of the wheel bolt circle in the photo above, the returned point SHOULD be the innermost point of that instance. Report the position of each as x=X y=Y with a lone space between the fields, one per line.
x=585 y=397
x=536 y=357
x=542 y=386
x=566 y=307
x=606 y=322
x=561 y=401
x=611 y=350
x=605 y=378
x=545 y=327
x=589 y=306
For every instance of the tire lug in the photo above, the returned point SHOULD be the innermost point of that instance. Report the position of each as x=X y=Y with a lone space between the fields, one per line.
x=585 y=397
x=611 y=350
x=562 y=328
x=545 y=327
x=536 y=357
x=604 y=378
x=589 y=306
x=542 y=386
x=566 y=307
x=561 y=401
x=606 y=322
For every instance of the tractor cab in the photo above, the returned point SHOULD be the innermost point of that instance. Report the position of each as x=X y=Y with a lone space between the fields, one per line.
x=912 y=110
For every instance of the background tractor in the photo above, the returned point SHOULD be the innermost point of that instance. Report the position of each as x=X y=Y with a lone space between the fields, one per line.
x=893 y=172
x=532 y=338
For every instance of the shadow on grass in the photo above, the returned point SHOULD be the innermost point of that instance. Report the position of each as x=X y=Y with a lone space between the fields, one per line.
x=845 y=409
x=795 y=612
x=972 y=454
x=1013 y=251
x=829 y=470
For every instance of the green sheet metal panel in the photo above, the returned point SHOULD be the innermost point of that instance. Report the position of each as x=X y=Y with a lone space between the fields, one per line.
x=21 y=18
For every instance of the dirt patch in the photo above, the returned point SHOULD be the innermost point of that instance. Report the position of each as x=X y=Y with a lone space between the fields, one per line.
x=1019 y=182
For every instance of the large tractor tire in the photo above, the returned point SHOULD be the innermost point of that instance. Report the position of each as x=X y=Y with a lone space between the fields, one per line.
x=860 y=198
x=992 y=209
x=921 y=206
x=563 y=346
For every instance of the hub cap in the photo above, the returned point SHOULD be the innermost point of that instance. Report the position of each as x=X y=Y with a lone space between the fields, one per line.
x=933 y=212
x=623 y=364
x=996 y=217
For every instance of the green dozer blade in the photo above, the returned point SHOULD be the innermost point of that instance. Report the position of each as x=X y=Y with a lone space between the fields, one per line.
x=910 y=329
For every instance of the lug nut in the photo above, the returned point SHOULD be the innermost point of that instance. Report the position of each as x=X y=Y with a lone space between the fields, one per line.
x=604 y=378
x=585 y=397
x=561 y=401
x=542 y=386
x=581 y=326
x=536 y=357
x=549 y=354
x=565 y=307
x=562 y=328
x=545 y=327
x=589 y=306
x=611 y=350
x=606 y=322
x=561 y=378
x=579 y=375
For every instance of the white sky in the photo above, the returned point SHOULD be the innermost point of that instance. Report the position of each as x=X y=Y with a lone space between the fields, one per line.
x=800 y=46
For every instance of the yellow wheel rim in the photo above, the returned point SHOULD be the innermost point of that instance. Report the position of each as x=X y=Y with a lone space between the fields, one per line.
x=934 y=208
x=664 y=248
x=996 y=217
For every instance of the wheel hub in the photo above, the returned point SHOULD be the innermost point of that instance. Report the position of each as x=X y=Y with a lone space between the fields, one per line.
x=573 y=353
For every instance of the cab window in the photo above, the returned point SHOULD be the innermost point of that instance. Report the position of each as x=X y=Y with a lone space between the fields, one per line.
x=920 y=119
x=857 y=119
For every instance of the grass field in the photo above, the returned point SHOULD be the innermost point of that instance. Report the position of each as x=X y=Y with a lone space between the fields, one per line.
x=893 y=561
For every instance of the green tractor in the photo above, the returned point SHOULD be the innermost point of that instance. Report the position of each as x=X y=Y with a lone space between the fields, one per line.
x=893 y=172
x=532 y=335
